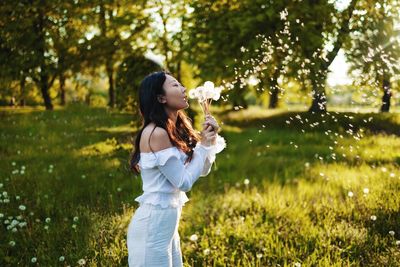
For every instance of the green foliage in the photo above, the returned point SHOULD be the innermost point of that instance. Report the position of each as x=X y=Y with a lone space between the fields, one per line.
x=374 y=48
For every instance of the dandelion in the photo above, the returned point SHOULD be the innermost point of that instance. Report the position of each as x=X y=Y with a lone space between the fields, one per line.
x=76 y=219
x=47 y=220
x=297 y=264
x=398 y=242
x=205 y=95
x=307 y=165
x=350 y=194
x=246 y=181
x=34 y=259
x=62 y=258
x=391 y=233
x=22 y=207
x=11 y=243
x=81 y=262
x=259 y=255
x=373 y=217
x=193 y=238
x=206 y=251
x=366 y=190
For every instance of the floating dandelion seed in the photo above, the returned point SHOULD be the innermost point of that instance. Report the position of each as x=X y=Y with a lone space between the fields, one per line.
x=193 y=238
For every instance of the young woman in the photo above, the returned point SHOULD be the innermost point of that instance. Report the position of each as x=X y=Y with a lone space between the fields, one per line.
x=170 y=156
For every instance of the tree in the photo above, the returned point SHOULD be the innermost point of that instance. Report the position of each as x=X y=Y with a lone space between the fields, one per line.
x=114 y=29
x=374 y=49
x=38 y=43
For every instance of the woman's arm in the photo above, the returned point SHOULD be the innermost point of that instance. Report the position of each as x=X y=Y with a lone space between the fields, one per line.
x=180 y=175
x=171 y=166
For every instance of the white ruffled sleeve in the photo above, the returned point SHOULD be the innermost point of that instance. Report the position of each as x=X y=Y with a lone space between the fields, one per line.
x=180 y=175
x=219 y=145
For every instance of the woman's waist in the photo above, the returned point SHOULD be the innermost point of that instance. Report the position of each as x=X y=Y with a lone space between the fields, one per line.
x=163 y=199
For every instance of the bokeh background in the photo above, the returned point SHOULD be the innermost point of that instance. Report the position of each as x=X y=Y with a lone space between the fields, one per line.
x=310 y=110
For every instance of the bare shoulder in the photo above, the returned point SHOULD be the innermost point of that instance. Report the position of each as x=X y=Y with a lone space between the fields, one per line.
x=159 y=139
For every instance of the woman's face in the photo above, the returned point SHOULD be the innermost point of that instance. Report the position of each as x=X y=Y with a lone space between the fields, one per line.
x=175 y=94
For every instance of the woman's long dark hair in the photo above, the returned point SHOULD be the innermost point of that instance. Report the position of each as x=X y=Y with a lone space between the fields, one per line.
x=181 y=134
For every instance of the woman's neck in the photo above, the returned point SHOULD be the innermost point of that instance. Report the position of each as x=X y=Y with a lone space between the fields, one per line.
x=172 y=114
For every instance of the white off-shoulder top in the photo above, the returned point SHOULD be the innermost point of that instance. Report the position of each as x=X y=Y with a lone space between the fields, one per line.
x=166 y=177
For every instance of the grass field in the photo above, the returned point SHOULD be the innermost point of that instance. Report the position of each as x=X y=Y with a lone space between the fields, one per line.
x=290 y=189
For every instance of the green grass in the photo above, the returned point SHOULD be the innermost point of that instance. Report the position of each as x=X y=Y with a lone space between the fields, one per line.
x=71 y=166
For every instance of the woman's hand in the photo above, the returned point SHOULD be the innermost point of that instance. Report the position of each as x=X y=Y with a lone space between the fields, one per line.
x=208 y=135
x=210 y=120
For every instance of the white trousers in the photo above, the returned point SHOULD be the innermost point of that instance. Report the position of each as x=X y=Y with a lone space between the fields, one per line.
x=153 y=238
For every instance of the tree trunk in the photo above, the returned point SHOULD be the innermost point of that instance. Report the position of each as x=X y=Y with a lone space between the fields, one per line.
x=44 y=88
x=62 y=88
x=22 y=91
x=274 y=90
x=318 y=93
x=273 y=100
x=111 y=90
x=43 y=80
x=87 y=98
x=386 y=95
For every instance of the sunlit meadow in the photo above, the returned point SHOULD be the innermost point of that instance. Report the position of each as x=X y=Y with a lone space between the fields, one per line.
x=290 y=189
